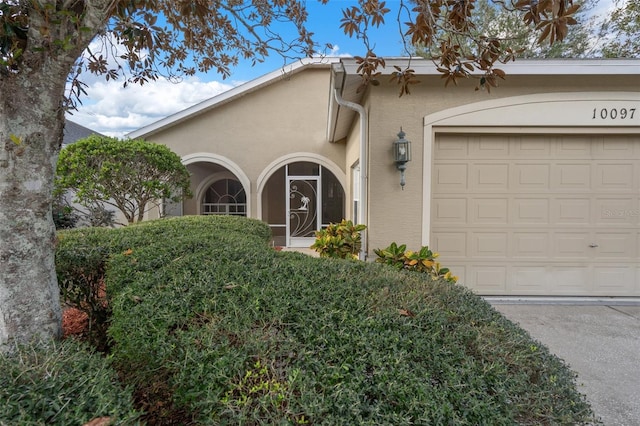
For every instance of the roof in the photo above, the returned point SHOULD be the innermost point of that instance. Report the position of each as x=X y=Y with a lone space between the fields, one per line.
x=346 y=80
x=600 y=66
x=74 y=131
x=232 y=94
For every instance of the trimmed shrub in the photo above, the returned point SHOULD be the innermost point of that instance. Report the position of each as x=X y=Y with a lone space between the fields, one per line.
x=211 y=326
x=339 y=240
x=82 y=255
x=422 y=260
x=62 y=384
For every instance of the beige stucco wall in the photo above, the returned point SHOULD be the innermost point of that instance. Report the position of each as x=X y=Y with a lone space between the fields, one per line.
x=352 y=157
x=395 y=214
x=258 y=128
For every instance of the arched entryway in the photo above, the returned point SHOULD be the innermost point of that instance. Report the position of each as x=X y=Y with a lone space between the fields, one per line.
x=298 y=198
x=219 y=186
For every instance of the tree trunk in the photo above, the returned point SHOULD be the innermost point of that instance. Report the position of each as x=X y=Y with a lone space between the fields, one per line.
x=31 y=126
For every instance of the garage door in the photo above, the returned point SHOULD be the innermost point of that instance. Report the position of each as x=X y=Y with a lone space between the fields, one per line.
x=544 y=215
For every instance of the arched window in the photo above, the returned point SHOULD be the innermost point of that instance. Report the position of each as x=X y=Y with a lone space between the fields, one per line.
x=226 y=197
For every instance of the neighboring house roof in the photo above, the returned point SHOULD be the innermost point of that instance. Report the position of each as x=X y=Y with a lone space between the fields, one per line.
x=74 y=131
x=236 y=92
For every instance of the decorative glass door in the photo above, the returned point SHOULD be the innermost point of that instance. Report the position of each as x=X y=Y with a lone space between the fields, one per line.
x=303 y=217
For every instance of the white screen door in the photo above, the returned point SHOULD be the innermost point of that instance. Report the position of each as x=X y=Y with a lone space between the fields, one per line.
x=303 y=216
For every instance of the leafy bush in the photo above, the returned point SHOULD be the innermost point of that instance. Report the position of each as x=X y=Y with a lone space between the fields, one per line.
x=63 y=215
x=420 y=261
x=339 y=240
x=63 y=384
x=127 y=175
x=82 y=255
x=81 y=262
x=211 y=326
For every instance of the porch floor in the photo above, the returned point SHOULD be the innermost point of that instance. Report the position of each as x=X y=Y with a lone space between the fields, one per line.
x=304 y=250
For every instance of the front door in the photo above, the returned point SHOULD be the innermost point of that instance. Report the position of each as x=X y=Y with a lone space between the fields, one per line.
x=303 y=214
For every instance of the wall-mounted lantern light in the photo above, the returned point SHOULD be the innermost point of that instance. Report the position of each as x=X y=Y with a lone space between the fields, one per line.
x=401 y=155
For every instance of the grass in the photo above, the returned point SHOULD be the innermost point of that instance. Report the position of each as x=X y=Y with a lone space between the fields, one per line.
x=210 y=326
x=62 y=384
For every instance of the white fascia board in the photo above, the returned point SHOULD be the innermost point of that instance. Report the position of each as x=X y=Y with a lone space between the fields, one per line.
x=231 y=94
x=423 y=66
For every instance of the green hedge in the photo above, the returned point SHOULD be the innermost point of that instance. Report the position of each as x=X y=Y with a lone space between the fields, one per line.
x=82 y=255
x=63 y=384
x=211 y=326
x=239 y=333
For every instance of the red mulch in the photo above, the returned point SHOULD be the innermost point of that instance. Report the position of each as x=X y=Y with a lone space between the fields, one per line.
x=74 y=322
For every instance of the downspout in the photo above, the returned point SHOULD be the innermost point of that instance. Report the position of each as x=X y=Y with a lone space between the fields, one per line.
x=364 y=143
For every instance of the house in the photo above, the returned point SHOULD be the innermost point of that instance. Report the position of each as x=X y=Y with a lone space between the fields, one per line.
x=532 y=188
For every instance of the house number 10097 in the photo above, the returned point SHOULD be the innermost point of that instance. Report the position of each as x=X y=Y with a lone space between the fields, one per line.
x=614 y=113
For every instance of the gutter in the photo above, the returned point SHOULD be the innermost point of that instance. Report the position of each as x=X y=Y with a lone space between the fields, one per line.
x=363 y=160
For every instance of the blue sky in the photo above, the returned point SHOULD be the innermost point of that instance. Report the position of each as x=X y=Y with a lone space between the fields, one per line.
x=324 y=22
x=114 y=110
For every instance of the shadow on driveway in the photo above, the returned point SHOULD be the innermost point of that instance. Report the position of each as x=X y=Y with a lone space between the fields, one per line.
x=599 y=342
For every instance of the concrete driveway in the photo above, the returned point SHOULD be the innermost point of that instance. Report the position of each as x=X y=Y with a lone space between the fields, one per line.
x=599 y=342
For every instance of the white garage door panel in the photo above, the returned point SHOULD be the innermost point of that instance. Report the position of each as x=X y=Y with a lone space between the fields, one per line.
x=531 y=245
x=488 y=210
x=528 y=211
x=572 y=245
x=489 y=177
x=527 y=147
x=614 y=280
x=450 y=244
x=572 y=279
x=617 y=211
x=615 y=149
x=452 y=177
x=490 y=279
x=620 y=246
x=528 y=177
x=571 y=177
x=451 y=211
x=530 y=280
x=538 y=214
x=573 y=149
x=489 y=244
x=571 y=211
x=612 y=177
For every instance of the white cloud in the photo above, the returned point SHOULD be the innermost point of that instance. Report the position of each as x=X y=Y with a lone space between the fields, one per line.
x=335 y=52
x=113 y=110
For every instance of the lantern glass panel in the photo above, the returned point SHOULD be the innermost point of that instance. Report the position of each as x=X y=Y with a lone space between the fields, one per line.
x=402 y=151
